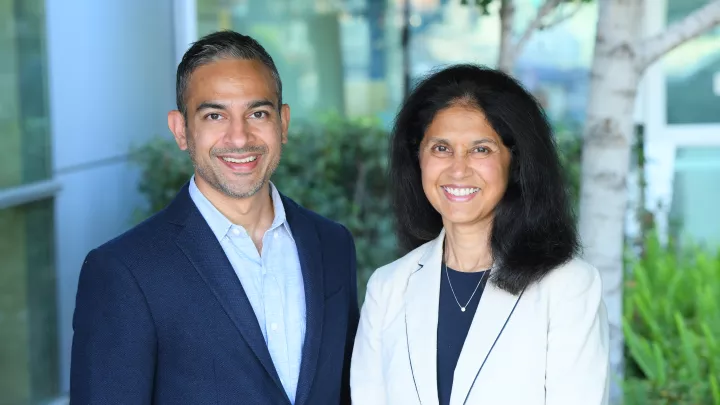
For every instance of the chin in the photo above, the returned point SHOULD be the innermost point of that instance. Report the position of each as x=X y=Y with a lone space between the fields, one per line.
x=246 y=191
x=463 y=218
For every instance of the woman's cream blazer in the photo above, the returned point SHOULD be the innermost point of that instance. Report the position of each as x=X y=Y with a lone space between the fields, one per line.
x=547 y=347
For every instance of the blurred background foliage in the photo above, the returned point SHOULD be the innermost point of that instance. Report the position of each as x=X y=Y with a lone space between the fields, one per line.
x=671 y=324
x=335 y=166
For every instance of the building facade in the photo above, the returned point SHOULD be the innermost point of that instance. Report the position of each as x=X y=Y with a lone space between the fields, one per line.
x=84 y=82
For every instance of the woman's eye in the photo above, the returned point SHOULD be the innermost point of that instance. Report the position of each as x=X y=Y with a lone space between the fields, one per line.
x=441 y=148
x=482 y=149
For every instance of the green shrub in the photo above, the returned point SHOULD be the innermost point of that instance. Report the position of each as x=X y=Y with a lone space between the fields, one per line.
x=336 y=167
x=569 y=145
x=164 y=169
x=671 y=323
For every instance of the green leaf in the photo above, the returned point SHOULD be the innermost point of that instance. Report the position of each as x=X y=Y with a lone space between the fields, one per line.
x=715 y=388
x=687 y=346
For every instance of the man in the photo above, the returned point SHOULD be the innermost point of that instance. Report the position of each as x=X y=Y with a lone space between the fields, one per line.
x=233 y=294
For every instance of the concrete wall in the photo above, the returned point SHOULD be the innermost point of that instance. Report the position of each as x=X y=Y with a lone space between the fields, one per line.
x=111 y=84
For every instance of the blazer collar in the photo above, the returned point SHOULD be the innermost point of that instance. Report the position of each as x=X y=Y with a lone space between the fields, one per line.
x=199 y=244
x=197 y=241
x=421 y=317
x=309 y=250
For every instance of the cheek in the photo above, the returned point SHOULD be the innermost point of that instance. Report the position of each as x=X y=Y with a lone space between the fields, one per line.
x=428 y=171
x=206 y=138
x=494 y=174
x=267 y=133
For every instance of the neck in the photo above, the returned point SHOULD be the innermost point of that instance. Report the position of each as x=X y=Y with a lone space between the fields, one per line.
x=255 y=214
x=467 y=247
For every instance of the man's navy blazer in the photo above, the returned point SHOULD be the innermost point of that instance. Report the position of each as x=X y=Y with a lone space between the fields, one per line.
x=162 y=318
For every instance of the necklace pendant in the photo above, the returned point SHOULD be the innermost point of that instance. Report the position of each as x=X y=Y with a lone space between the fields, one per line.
x=462 y=309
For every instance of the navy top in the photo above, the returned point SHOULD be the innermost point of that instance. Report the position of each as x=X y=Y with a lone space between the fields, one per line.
x=453 y=324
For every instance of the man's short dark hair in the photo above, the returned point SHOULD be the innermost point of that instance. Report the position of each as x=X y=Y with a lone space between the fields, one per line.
x=221 y=45
x=533 y=228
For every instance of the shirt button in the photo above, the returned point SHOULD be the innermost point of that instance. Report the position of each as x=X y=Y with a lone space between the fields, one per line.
x=236 y=232
x=273 y=326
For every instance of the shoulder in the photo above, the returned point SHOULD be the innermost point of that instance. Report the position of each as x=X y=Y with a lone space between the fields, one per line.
x=572 y=280
x=149 y=238
x=328 y=229
x=395 y=275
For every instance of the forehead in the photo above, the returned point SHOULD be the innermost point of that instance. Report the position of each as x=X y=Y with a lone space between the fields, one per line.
x=459 y=121
x=225 y=79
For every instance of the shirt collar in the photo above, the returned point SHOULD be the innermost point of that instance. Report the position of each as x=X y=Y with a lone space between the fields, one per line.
x=220 y=224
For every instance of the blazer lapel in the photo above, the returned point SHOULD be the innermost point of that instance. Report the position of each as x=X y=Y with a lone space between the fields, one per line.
x=201 y=247
x=421 y=320
x=494 y=311
x=310 y=255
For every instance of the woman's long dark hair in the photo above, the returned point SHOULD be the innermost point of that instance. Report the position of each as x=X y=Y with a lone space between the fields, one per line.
x=533 y=227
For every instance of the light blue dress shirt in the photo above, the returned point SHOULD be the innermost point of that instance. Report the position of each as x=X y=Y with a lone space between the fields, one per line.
x=272 y=281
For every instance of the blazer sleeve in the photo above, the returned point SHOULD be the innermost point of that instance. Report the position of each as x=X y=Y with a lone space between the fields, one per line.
x=114 y=346
x=578 y=351
x=353 y=318
x=366 y=373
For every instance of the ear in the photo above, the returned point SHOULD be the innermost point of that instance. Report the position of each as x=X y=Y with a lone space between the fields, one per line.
x=284 y=122
x=176 y=123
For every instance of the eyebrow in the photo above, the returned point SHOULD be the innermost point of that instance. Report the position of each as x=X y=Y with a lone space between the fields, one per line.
x=210 y=105
x=214 y=105
x=260 y=103
x=477 y=142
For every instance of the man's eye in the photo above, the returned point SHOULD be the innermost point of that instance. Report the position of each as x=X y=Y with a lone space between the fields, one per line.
x=260 y=114
x=213 y=116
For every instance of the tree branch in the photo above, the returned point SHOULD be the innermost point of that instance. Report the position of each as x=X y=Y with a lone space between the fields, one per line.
x=693 y=25
x=546 y=8
x=562 y=17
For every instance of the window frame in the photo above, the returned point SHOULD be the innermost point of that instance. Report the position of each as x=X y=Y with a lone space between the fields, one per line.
x=663 y=140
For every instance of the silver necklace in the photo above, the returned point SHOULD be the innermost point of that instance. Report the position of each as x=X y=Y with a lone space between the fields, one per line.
x=463 y=307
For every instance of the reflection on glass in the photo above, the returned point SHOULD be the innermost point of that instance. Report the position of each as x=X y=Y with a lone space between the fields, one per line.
x=332 y=56
x=24 y=131
x=553 y=65
x=694 y=202
x=347 y=55
x=28 y=321
x=691 y=70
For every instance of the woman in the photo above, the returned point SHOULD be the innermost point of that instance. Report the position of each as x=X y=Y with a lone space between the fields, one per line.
x=491 y=305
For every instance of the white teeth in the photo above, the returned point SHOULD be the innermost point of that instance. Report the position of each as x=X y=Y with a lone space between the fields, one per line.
x=246 y=160
x=460 y=192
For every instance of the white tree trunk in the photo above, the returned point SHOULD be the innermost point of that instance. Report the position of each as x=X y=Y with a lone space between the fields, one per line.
x=506 y=55
x=618 y=63
x=606 y=158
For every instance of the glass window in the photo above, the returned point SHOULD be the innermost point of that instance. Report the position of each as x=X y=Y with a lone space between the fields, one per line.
x=28 y=321
x=347 y=56
x=24 y=124
x=329 y=57
x=28 y=325
x=553 y=65
x=694 y=204
x=693 y=97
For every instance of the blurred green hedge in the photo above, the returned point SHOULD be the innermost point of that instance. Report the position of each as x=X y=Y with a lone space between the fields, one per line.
x=336 y=167
x=671 y=324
